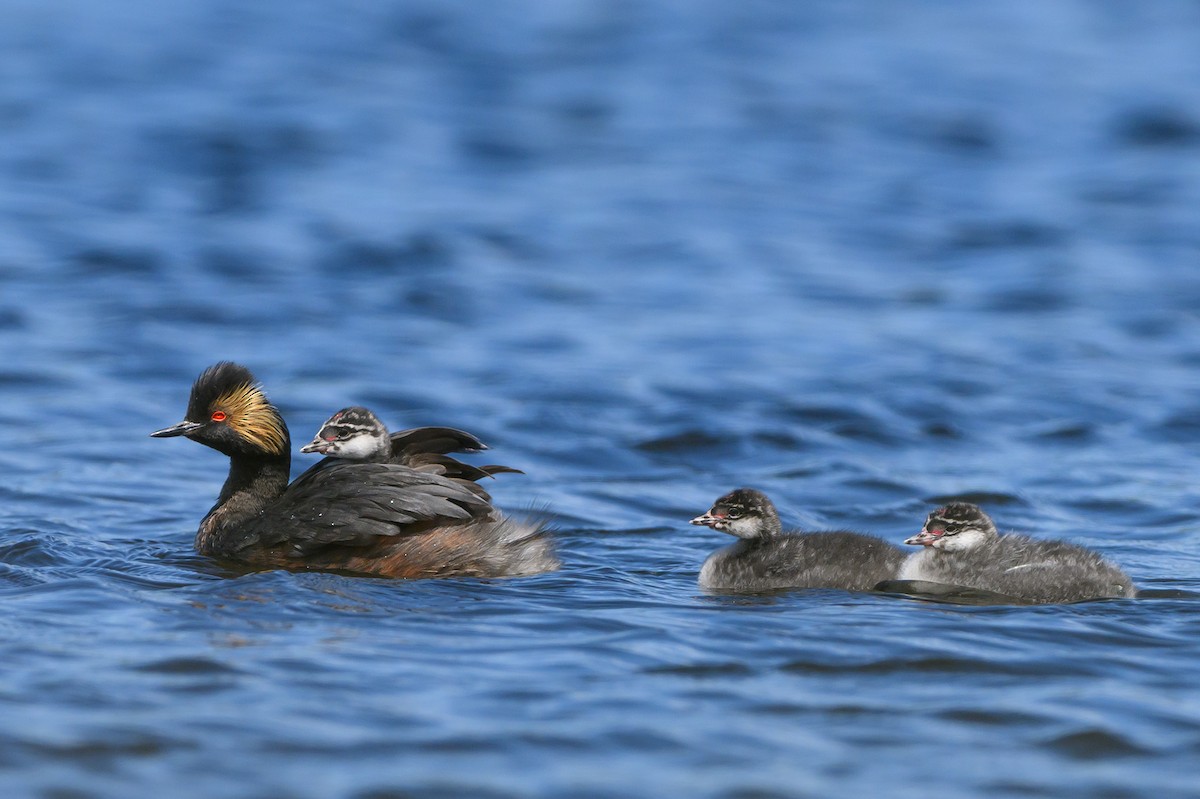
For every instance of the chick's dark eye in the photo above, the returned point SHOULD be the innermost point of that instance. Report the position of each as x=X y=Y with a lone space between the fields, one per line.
x=951 y=529
x=733 y=513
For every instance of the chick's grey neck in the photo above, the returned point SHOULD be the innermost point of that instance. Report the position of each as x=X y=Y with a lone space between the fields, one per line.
x=769 y=525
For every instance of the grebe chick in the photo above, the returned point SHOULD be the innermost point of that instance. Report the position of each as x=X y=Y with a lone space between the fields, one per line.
x=357 y=434
x=961 y=546
x=383 y=519
x=766 y=558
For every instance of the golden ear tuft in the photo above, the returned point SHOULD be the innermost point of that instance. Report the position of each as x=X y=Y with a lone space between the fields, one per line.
x=252 y=416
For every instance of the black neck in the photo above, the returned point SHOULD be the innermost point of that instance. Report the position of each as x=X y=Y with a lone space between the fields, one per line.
x=254 y=482
x=263 y=477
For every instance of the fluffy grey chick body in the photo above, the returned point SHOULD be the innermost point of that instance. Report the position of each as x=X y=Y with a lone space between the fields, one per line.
x=767 y=558
x=961 y=546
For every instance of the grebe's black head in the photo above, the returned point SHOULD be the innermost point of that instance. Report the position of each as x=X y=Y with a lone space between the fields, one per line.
x=744 y=512
x=352 y=433
x=229 y=412
x=957 y=526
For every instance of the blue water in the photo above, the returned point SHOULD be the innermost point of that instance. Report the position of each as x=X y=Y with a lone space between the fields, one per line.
x=862 y=256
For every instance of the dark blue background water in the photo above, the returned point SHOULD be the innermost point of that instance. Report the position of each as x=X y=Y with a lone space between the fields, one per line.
x=861 y=256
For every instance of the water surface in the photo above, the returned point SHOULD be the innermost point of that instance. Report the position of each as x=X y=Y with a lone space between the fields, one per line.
x=865 y=258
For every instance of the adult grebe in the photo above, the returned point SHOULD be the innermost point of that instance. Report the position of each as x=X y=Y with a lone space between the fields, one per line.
x=371 y=518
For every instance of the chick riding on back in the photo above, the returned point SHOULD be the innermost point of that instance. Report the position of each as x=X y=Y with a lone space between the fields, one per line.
x=357 y=434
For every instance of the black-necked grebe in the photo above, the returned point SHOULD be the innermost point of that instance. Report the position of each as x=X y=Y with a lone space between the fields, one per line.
x=357 y=434
x=371 y=518
x=961 y=546
x=767 y=558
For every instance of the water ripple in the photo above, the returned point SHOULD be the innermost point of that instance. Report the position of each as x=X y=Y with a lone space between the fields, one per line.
x=629 y=247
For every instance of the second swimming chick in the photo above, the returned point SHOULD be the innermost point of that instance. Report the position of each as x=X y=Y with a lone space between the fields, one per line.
x=961 y=546
x=767 y=558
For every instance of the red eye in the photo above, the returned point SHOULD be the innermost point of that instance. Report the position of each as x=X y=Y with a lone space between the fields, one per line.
x=218 y=416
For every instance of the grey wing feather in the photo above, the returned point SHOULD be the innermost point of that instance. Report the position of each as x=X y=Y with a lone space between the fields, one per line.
x=353 y=504
x=435 y=440
x=427 y=449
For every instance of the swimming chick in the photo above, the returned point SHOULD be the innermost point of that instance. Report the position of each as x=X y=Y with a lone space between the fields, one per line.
x=382 y=519
x=767 y=558
x=357 y=434
x=961 y=546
